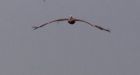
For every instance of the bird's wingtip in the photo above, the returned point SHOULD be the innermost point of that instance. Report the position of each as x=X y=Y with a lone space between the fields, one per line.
x=35 y=27
x=108 y=30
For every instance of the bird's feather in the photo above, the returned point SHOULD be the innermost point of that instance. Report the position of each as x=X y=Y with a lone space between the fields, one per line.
x=36 y=27
x=99 y=27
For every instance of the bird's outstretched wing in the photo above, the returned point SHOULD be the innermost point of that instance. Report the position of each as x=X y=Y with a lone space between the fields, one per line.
x=36 y=27
x=99 y=27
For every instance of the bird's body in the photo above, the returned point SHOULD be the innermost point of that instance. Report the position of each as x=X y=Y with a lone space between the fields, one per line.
x=71 y=21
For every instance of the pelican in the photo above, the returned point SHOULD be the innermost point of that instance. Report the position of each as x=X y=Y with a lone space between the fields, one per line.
x=71 y=21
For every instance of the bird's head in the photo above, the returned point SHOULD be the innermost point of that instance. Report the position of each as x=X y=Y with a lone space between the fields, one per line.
x=70 y=17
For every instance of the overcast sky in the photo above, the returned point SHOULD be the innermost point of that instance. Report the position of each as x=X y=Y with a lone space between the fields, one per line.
x=62 y=49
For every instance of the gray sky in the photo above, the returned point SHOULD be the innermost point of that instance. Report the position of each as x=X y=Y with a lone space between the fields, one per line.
x=62 y=49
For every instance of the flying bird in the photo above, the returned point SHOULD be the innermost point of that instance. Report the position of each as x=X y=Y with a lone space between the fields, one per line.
x=71 y=21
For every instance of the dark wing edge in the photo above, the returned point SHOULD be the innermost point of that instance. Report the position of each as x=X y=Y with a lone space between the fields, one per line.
x=36 y=27
x=99 y=27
